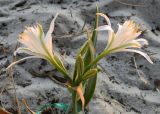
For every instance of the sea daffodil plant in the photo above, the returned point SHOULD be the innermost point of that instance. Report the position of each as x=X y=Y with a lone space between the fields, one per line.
x=81 y=84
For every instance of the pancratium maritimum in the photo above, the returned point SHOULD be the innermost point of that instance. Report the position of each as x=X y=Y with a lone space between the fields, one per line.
x=38 y=45
x=124 y=39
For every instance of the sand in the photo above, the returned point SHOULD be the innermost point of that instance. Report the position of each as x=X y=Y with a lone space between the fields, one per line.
x=120 y=90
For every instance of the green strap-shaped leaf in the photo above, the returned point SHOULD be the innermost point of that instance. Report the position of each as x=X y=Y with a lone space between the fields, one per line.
x=60 y=67
x=79 y=69
x=89 y=74
x=80 y=65
x=84 y=48
x=90 y=87
x=60 y=63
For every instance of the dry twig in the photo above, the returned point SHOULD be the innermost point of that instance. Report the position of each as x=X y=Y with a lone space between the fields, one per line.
x=128 y=4
x=10 y=72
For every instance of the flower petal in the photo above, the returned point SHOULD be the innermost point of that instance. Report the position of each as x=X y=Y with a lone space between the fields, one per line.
x=127 y=32
x=23 y=50
x=48 y=38
x=20 y=61
x=28 y=51
x=119 y=29
x=27 y=40
x=110 y=34
x=139 y=52
x=31 y=39
x=134 y=44
x=106 y=18
x=104 y=27
x=142 y=41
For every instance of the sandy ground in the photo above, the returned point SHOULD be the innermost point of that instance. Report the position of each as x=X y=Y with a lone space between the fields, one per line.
x=120 y=90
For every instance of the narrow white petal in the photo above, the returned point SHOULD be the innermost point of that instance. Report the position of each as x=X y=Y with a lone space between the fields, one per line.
x=106 y=18
x=134 y=44
x=119 y=26
x=133 y=36
x=31 y=39
x=51 y=28
x=139 y=52
x=119 y=29
x=20 y=61
x=142 y=41
x=110 y=34
x=23 y=50
x=26 y=40
x=48 y=38
x=104 y=27
x=28 y=51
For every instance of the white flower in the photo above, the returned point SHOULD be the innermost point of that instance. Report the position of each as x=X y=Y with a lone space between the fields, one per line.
x=36 y=43
x=125 y=38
